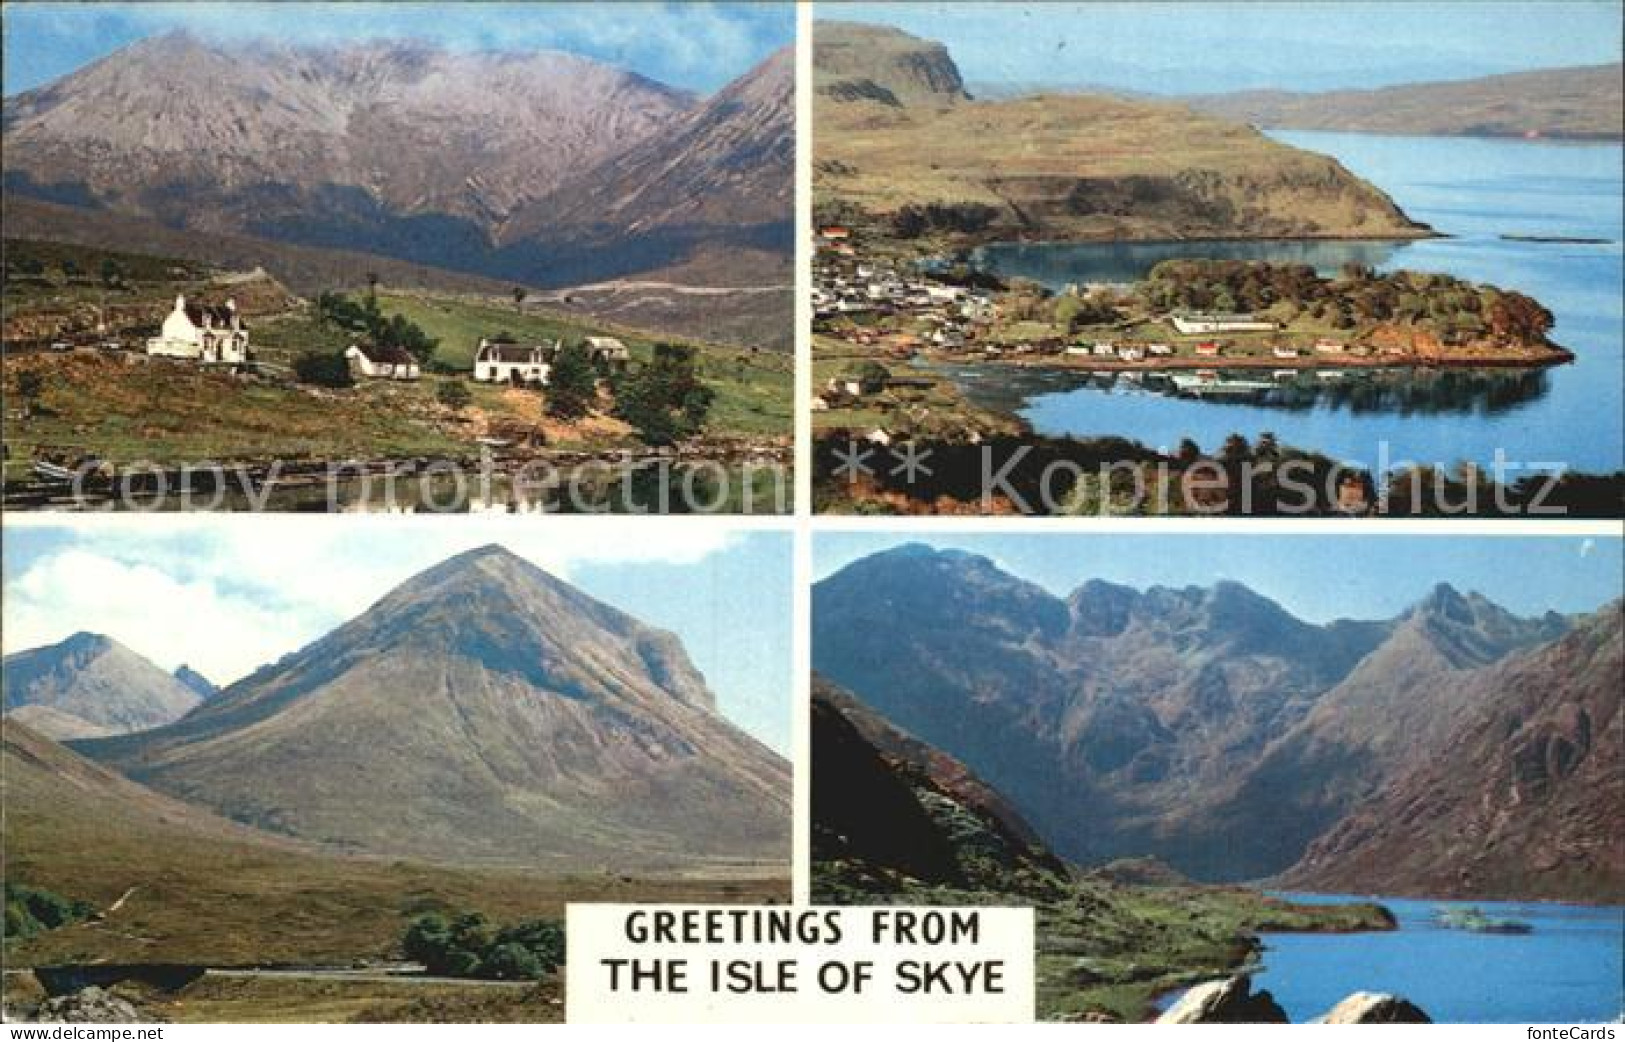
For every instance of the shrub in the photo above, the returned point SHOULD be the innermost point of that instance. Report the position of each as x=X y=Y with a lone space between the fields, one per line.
x=323 y=370
x=453 y=394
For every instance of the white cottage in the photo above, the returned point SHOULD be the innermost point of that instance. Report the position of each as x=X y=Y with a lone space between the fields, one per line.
x=503 y=361
x=202 y=332
x=608 y=350
x=382 y=362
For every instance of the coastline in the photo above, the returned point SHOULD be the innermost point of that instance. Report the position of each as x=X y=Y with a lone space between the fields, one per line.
x=1088 y=363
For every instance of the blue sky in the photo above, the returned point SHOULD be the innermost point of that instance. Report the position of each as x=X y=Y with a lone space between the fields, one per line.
x=699 y=46
x=1187 y=48
x=1317 y=578
x=226 y=598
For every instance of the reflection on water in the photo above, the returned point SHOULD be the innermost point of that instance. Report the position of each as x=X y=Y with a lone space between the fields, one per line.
x=1400 y=392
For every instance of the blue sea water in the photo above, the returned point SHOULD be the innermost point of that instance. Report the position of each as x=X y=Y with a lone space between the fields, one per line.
x=1568 y=970
x=1474 y=192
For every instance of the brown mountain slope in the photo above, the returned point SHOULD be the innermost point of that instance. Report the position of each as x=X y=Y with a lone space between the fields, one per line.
x=885 y=802
x=728 y=164
x=197 y=888
x=1070 y=167
x=1583 y=103
x=88 y=686
x=1522 y=798
x=1402 y=701
x=482 y=711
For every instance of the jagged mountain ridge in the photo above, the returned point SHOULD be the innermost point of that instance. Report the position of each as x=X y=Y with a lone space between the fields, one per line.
x=1520 y=800
x=89 y=685
x=1209 y=728
x=483 y=710
x=405 y=150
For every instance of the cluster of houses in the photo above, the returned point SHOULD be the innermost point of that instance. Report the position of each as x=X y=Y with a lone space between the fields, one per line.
x=217 y=335
x=847 y=288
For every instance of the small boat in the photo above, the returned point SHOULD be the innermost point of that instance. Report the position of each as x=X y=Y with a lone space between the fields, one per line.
x=1474 y=921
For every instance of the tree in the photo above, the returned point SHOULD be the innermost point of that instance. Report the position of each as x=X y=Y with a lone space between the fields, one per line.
x=323 y=370
x=1235 y=450
x=664 y=400
x=572 y=385
x=453 y=394
x=70 y=269
x=30 y=385
x=1189 y=452
x=511 y=962
x=519 y=295
x=112 y=273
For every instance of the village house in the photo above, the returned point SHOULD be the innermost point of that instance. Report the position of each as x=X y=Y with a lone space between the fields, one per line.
x=608 y=351
x=382 y=362
x=1198 y=322
x=1327 y=346
x=1208 y=349
x=1159 y=350
x=503 y=361
x=203 y=333
x=1285 y=352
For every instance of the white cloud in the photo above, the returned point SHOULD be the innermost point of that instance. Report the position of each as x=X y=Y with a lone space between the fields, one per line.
x=227 y=598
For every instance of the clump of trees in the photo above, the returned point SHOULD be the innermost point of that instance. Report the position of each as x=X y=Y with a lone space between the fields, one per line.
x=572 y=385
x=1454 y=309
x=664 y=400
x=323 y=370
x=467 y=945
x=365 y=318
x=913 y=221
x=30 y=911
x=1073 y=311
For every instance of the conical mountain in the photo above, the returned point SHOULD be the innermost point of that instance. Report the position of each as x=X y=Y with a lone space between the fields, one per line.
x=483 y=710
x=89 y=686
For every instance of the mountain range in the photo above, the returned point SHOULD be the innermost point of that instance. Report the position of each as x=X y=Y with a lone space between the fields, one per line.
x=1207 y=727
x=543 y=167
x=1581 y=103
x=896 y=128
x=90 y=686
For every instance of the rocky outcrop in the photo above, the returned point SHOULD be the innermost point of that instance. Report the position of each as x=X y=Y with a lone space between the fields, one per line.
x=853 y=62
x=884 y=802
x=1230 y=1001
x=91 y=1005
x=1367 y=1007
